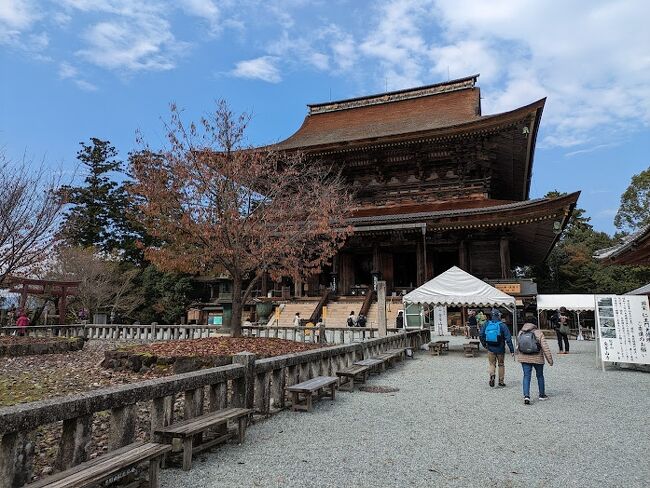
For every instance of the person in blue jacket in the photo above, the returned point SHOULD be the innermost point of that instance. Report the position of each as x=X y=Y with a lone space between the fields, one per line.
x=494 y=336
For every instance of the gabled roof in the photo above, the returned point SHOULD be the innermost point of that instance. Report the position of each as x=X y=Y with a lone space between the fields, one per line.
x=634 y=249
x=643 y=290
x=456 y=287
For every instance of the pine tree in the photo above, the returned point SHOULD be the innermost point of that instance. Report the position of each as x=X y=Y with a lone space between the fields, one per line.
x=93 y=205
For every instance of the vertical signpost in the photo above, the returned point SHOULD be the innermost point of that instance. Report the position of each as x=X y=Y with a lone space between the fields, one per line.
x=623 y=324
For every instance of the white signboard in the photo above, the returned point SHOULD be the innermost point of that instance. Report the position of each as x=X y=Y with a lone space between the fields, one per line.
x=624 y=328
x=440 y=320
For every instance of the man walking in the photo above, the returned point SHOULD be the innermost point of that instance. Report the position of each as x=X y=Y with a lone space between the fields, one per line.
x=494 y=336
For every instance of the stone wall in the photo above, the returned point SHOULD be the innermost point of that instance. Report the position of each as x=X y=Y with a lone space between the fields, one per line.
x=25 y=346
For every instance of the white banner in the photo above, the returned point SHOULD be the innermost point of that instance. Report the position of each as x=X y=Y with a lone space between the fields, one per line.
x=623 y=323
x=440 y=320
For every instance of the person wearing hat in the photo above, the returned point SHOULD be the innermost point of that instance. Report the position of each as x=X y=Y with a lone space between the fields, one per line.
x=494 y=336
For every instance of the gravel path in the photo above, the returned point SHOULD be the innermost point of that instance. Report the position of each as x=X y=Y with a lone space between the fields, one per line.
x=446 y=427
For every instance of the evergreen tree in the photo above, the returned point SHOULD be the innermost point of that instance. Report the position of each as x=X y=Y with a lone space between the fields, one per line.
x=102 y=214
x=88 y=222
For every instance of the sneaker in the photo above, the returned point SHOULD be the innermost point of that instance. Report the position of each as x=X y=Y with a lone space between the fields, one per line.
x=501 y=383
x=492 y=381
x=543 y=397
x=526 y=401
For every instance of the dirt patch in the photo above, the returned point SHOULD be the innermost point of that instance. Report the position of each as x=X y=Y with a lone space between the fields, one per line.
x=378 y=389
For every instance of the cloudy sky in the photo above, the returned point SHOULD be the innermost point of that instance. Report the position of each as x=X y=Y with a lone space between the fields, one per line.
x=75 y=69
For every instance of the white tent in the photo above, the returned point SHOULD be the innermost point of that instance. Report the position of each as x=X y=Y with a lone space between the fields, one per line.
x=578 y=303
x=458 y=288
x=574 y=303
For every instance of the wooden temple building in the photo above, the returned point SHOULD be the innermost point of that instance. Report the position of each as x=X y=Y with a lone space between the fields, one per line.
x=436 y=183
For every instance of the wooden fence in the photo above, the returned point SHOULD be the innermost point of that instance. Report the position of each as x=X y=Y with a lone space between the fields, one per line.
x=258 y=384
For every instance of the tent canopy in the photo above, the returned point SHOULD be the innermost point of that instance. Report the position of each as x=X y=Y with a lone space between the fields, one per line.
x=457 y=288
x=577 y=303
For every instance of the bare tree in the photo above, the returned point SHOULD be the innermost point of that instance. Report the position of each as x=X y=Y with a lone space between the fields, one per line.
x=29 y=213
x=213 y=204
x=105 y=284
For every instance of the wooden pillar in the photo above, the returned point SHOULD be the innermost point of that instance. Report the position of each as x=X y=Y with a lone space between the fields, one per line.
x=504 y=253
x=462 y=256
x=381 y=308
x=297 y=287
x=420 y=263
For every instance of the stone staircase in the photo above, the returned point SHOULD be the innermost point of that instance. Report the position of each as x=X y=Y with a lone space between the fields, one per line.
x=338 y=311
x=304 y=307
x=392 y=307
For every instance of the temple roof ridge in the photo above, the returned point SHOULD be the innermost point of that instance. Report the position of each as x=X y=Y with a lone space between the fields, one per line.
x=464 y=83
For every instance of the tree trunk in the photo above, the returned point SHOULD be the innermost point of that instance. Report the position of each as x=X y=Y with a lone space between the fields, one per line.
x=235 y=321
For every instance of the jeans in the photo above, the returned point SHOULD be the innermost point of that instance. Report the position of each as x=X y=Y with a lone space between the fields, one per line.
x=539 y=371
x=560 y=338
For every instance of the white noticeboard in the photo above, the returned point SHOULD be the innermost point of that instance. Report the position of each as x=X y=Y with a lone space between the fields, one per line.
x=623 y=323
x=440 y=320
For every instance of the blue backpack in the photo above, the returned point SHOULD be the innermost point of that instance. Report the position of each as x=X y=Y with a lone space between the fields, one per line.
x=493 y=332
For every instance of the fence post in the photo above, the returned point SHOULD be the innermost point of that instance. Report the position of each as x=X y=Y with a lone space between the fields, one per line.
x=243 y=390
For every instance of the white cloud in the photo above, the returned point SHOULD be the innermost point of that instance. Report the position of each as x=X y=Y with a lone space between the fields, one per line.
x=204 y=9
x=589 y=57
x=263 y=68
x=69 y=72
x=144 y=45
x=16 y=16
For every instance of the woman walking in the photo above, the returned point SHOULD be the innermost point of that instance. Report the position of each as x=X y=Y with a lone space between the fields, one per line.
x=532 y=351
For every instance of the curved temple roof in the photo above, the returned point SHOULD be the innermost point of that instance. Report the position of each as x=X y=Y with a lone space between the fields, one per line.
x=442 y=110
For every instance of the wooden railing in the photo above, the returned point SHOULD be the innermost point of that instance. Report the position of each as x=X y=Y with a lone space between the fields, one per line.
x=258 y=384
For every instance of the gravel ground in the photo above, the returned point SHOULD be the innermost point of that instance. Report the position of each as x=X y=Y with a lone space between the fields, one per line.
x=446 y=427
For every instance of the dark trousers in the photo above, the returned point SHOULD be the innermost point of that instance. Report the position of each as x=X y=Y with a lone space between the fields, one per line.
x=562 y=337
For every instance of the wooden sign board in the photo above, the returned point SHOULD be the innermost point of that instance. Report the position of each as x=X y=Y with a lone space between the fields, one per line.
x=509 y=288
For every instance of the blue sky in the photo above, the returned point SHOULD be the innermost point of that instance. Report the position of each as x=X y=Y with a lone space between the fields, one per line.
x=75 y=69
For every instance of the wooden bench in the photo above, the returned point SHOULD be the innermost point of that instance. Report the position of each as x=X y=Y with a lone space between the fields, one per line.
x=356 y=372
x=444 y=345
x=435 y=349
x=470 y=349
x=374 y=364
x=110 y=467
x=186 y=430
x=477 y=343
x=391 y=356
x=308 y=388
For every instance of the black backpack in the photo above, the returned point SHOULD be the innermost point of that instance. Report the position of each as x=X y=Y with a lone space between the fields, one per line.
x=350 y=322
x=527 y=343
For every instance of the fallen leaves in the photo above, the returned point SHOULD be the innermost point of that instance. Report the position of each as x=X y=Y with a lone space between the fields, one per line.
x=223 y=346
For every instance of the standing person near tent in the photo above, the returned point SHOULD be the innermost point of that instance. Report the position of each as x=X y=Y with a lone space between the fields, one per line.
x=532 y=350
x=561 y=323
x=473 y=324
x=494 y=336
x=481 y=319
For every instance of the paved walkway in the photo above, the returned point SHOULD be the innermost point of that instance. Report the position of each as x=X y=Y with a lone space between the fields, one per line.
x=446 y=427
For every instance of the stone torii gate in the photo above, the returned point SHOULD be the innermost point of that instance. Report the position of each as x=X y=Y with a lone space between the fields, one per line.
x=28 y=286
